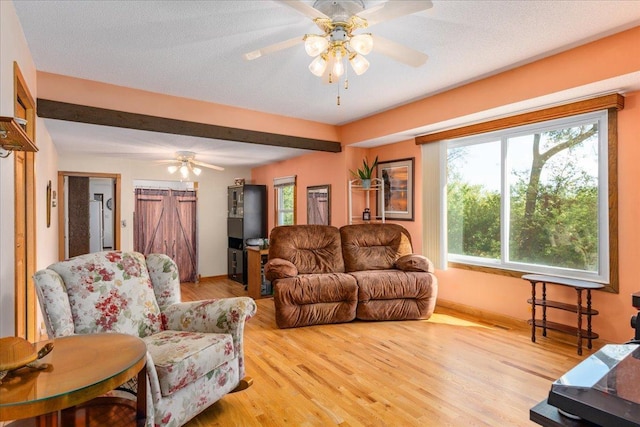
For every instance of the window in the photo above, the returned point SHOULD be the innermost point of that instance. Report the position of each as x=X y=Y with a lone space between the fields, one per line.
x=532 y=198
x=285 y=200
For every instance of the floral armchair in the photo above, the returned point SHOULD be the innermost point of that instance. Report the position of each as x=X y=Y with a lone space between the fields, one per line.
x=194 y=349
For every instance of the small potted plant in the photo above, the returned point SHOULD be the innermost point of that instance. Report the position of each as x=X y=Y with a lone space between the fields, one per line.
x=366 y=172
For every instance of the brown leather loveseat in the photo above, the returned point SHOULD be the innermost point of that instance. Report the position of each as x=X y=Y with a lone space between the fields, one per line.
x=322 y=274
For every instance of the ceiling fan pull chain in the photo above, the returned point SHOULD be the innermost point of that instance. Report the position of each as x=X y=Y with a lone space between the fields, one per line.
x=338 y=98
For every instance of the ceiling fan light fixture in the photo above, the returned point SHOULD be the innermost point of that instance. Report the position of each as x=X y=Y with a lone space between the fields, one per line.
x=318 y=66
x=172 y=169
x=359 y=64
x=197 y=171
x=314 y=45
x=362 y=43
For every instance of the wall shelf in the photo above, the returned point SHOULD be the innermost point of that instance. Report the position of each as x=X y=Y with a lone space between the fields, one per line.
x=376 y=189
x=13 y=137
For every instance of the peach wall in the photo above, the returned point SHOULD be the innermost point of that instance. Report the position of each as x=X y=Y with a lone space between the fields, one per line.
x=311 y=169
x=86 y=92
x=609 y=57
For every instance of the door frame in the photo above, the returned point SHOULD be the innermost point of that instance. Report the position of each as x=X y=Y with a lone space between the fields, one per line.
x=116 y=208
x=24 y=215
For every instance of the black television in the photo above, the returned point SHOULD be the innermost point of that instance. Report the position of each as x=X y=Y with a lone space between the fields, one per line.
x=603 y=389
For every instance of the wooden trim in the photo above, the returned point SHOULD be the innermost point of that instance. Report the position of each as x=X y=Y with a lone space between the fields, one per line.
x=117 y=214
x=613 y=101
x=105 y=117
x=614 y=280
x=25 y=300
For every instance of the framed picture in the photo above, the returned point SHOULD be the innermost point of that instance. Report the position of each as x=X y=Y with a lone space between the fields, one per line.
x=319 y=205
x=397 y=176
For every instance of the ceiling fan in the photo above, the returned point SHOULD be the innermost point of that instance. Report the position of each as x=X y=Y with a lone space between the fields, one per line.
x=338 y=20
x=185 y=162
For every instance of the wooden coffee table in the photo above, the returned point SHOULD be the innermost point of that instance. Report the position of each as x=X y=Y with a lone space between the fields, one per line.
x=81 y=368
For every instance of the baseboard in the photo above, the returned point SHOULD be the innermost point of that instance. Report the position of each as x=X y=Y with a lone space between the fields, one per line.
x=485 y=316
x=212 y=278
x=508 y=322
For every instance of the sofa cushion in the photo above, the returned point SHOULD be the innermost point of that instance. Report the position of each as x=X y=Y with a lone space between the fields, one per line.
x=373 y=246
x=313 y=299
x=278 y=268
x=311 y=248
x=110 y=292
x=395 y=294
x=414 y=262
x=182 y=357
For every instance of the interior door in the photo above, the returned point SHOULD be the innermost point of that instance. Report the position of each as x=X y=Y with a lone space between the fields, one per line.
x=184 y=208
x=165 y=222
x=78 y=212
x=150 y=231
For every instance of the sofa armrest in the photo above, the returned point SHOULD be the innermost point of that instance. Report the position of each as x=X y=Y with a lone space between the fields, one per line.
x=413 y=262
x=278 y=268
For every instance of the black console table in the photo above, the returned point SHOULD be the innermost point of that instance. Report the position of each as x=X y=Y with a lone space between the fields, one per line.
x=579 y=309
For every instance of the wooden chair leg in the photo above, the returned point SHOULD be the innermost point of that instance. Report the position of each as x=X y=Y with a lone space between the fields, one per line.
x=244 y=384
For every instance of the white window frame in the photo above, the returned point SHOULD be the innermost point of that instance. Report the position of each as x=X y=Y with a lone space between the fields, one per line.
x=603 y=273
x=279 y=185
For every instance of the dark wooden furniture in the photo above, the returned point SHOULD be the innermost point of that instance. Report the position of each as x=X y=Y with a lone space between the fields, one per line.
x=257 y=285
x=81 y=368
x=578 y=308
x=246 y=219
x=548 y=416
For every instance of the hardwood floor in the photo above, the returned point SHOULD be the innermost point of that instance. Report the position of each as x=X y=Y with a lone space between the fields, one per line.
x=451 y=370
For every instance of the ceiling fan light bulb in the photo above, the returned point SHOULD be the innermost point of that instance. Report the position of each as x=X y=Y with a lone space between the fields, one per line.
x=362 y=43
x=338 y=66
x=172 y=169
x=318 y=66
x=359 y=64
x=314 y=45
x=197 y=171
x=184 y=170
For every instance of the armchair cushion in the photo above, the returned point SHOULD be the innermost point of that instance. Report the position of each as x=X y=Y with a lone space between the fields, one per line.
x=110 y=292
x=182 y=357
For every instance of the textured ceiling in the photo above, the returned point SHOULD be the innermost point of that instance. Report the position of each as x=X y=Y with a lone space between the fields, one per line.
x=194 y=49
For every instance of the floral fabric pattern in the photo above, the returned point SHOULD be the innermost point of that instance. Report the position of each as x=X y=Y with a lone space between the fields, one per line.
x=54 y=302
x=226 y=316
x=110 y=292
x=166 y=281
x=182 y=357
x=194 y=350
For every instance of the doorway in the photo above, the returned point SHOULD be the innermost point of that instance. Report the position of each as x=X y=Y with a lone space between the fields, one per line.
x=165 y=222
x=90 y=207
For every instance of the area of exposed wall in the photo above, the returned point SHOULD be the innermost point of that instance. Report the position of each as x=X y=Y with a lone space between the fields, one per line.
x=14 y=48
x=212 y=201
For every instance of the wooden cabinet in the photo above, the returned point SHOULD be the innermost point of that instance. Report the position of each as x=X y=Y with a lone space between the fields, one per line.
x=258 y=286
x=246 y=219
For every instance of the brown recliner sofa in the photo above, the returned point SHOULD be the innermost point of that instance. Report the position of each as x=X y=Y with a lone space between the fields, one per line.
x=322 y=274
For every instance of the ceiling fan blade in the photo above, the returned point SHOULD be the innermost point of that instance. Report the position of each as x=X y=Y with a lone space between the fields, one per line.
x=399 y=52
x=272 y=48
x=207 y=165
x=393 y=9
x=303 y=8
